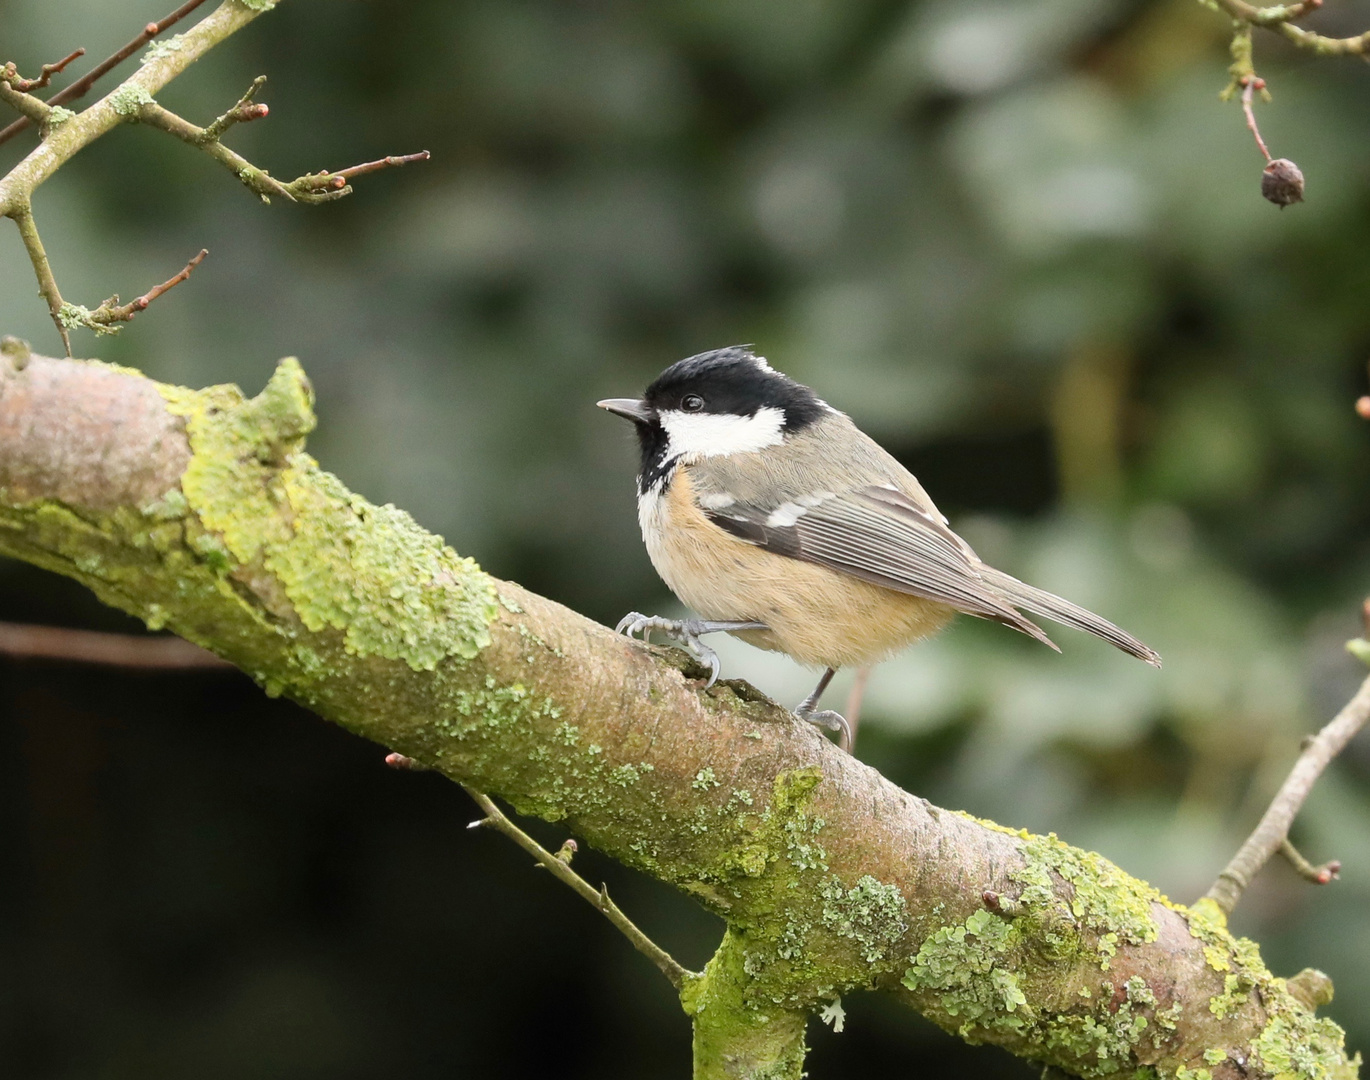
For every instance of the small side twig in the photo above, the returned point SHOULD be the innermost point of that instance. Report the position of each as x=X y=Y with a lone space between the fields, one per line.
x=380 y=163
x=1318 y=875
x=1249 y=87
x=27 y=642
x=241 y=113
x=25 y=86
x=103 y=318
x=1280 y=19
x=1272 y=834
x=82 y=85
x=30 y=107
x=598 y=898
x=310 y=188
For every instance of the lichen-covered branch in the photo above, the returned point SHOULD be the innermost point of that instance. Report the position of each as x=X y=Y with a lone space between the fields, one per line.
x=1281 y=19
x=200 y=511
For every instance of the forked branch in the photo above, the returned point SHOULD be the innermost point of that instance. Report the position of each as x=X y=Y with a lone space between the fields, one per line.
x=82 y=85
x=65 y=133
x=311 y=188
x=1272 y=834
x=1281 y=18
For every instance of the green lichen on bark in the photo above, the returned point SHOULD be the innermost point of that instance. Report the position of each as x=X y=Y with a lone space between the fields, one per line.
x=738 y=1034
x=871 y=913
x=129 y=98
x=345 y=564
x=971 y=966
x=1103 y=899
x=1294 y=1043
x=1020 y=975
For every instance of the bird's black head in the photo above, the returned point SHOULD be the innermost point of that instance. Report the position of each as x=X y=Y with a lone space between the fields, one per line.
x=727 y=401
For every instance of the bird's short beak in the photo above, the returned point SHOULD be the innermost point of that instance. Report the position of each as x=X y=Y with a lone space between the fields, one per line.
x=629 y=408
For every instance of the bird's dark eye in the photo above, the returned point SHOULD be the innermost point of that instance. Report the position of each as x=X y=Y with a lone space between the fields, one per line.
x=692 y=403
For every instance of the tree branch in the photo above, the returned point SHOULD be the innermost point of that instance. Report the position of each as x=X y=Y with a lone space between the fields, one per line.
x=1281 y=20
x=1273 y=831
x=26 y=642
x=496 y=819
x=66 y=133
x=26 y=86
x=79 y=88
x=311 y=188
x=200 y=511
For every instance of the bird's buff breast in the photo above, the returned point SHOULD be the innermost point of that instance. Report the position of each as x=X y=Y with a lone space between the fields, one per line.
x=818 y=616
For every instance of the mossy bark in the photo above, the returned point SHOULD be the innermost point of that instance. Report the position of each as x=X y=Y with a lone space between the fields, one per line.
x=201 y=512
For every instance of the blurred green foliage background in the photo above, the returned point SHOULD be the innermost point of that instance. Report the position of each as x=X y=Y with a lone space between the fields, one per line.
x=1020 y=241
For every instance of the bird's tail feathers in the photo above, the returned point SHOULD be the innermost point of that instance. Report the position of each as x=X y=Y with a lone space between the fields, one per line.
x=1049 y=606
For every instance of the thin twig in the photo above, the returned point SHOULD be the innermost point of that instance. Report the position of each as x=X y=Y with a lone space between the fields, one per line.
x=1250 y=87
x=246 y=110
x=1273 y=830
x=381 y=163
x=30 y=107
x=310 y=188
x=86 y=81
x=1318 y=875
x=47 y=283
x=111 y=311
x=25 y=86
x=599 y=898
x=28 y=642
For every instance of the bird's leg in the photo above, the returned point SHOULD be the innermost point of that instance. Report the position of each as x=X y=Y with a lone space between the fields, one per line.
x=825 y=718
x=685 y=631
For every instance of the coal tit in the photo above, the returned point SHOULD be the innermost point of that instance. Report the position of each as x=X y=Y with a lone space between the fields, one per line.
x=775 y=518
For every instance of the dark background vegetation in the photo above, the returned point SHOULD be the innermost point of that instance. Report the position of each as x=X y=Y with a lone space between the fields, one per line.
x=1020 y=242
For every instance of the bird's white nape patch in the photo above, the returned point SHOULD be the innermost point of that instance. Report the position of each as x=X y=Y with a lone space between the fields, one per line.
x=716 y=434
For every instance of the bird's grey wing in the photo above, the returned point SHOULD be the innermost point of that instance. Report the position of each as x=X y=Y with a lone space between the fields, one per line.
x=880 y=535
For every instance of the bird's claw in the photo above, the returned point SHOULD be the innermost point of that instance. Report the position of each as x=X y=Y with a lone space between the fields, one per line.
x=829 y=720
x=684 y=631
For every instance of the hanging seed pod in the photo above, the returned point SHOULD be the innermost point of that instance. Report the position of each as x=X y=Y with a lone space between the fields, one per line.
x=1282 y=183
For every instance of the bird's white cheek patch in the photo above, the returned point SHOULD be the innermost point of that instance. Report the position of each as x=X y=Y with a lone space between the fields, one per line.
x=716 y=434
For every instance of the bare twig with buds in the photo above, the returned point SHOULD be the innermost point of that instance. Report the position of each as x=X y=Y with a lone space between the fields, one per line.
x=106 y=318
x=559 y=865
x=1272 y=834
x=64 y=133
x=80 y=87
x=25 y=86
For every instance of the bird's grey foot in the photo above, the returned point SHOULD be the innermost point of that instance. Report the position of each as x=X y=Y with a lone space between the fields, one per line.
x=829 y=721
x=825 y=718
x=686 y=631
